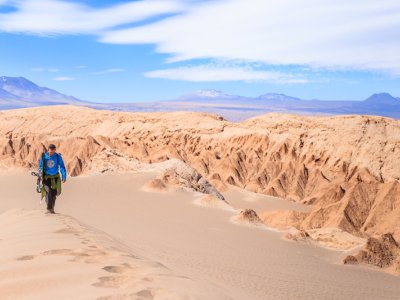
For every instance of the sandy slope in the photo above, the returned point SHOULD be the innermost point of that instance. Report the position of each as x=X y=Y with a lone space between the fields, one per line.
x=347 y=167
x=221 y=259
x=55 y=257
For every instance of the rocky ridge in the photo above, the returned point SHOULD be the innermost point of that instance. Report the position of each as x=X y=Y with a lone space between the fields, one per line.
x=346 y=167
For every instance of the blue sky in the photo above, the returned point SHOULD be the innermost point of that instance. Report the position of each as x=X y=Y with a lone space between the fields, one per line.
x=121 y=51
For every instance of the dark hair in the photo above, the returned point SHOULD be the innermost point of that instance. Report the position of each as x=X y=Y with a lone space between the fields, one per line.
x=52 y=146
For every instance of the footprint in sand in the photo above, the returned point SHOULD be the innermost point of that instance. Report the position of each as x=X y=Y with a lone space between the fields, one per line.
x=143 y=294
x=111 y=281
x=66 y=231
x=146 y=294
x=148 y=279
x=58 y=252
x=117 y=269
x=131 y=256
x=114 y=281
x=90 y=256
x=26 y=257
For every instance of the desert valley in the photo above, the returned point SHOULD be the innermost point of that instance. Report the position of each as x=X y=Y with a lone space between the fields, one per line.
x=187 y=205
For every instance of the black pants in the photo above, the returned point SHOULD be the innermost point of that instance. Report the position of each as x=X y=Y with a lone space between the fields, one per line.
x=51 y=194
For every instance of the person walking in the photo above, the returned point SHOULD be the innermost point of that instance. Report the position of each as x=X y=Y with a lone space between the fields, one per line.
x=49 y=165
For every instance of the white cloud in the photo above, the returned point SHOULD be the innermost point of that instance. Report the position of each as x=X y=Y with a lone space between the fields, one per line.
x=52 y=17
x=211 y=72
x=81 y=67
x=340 y=35
x=108 y=71
x=362 y=35
x=64 y=78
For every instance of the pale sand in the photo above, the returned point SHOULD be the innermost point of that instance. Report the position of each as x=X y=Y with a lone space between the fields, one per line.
x=220 y=259
x=54 y=257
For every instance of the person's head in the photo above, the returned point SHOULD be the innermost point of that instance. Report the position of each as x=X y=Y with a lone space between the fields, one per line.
x=52 y=149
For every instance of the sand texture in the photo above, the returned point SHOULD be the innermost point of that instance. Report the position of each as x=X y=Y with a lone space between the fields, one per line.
x=164 y=235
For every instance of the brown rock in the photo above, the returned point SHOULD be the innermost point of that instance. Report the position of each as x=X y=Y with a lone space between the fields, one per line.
x=297 y=235
x=180 y=174
x=350 y=260
x=250 y=216
x=383 y=252
x=156 y=184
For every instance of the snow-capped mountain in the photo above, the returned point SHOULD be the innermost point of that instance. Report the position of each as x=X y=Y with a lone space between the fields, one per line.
x=278 y=97
x=207 y=94
x=210 y=94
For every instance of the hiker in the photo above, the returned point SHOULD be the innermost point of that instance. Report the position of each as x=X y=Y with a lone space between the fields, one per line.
x=51 y=177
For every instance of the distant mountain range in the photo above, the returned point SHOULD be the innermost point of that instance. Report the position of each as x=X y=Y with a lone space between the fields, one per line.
x=19 y=92
x=202 y=95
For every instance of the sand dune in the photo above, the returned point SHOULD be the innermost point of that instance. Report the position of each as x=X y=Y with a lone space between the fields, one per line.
x=345 y=168
x=185 y=248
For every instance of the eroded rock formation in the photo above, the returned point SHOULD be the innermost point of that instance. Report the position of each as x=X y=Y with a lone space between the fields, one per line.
x=347 y=167
x=382 y=252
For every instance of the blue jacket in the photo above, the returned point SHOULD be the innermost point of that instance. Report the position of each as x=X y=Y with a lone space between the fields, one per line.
x=52 y=164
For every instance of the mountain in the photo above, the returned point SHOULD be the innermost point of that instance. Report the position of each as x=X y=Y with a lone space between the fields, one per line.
x=19 y=86
x=382 y=99
x=238 y=108
x=207 y=94
x=18 y=92
x=278 y=97
x=210 y=94
x=6 y=95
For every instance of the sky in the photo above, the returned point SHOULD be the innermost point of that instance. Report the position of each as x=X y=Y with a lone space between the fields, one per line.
x=147 y=50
